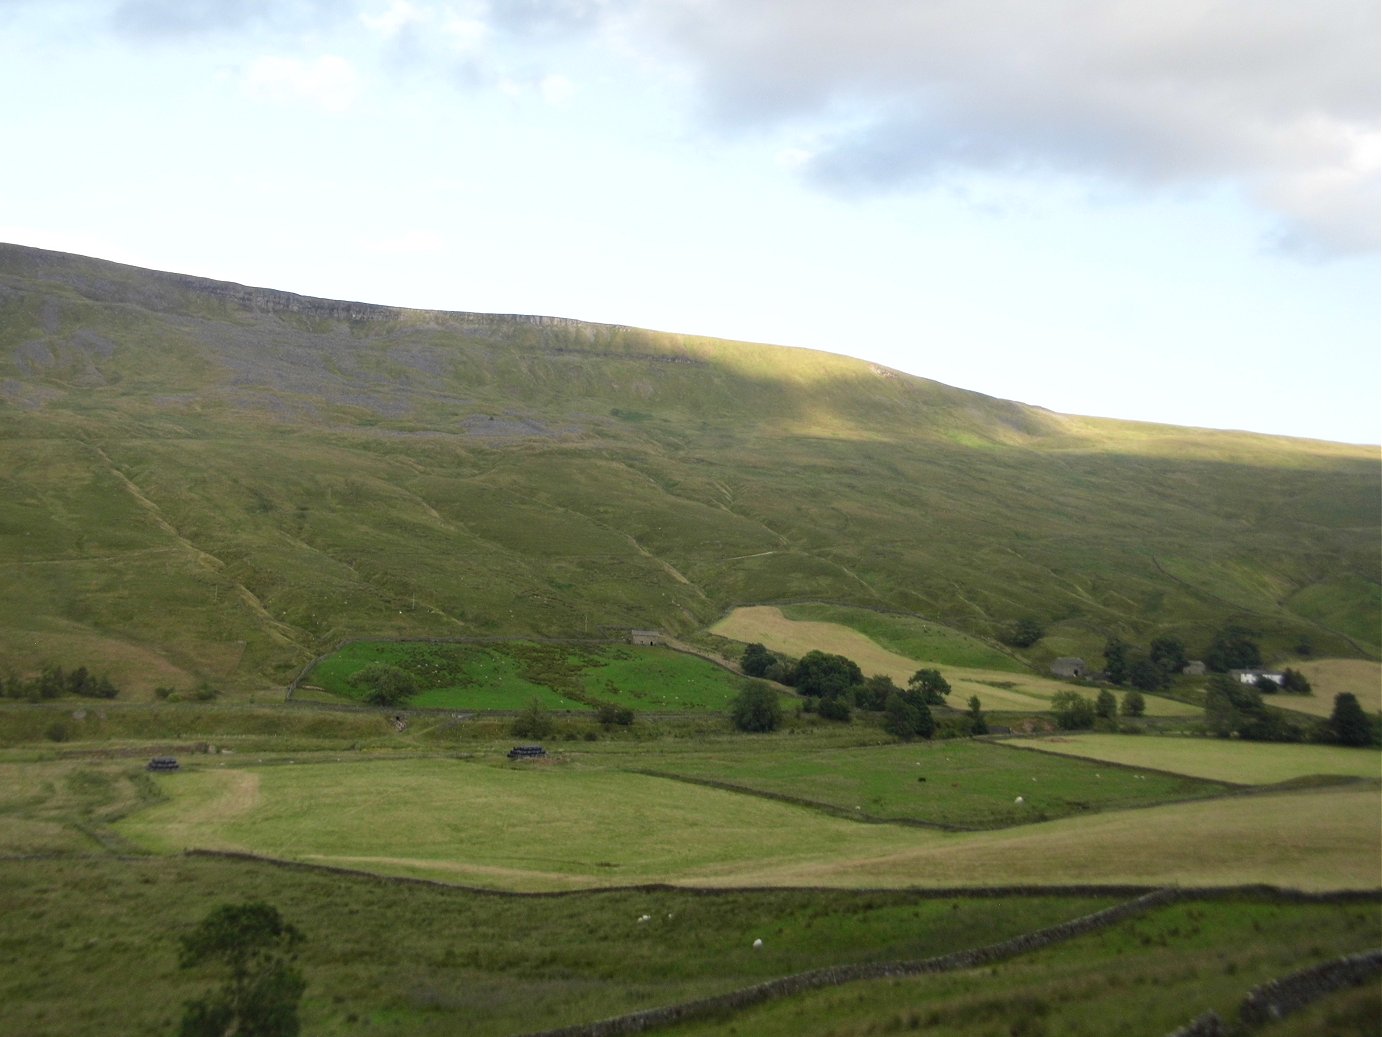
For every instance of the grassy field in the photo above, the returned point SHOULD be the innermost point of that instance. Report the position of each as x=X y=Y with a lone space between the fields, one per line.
x=507 y=675
x=1244 y=763
x=1145 y=978
x=486 y=822
x=964 y=783
x=203 y=486
x=1330 y=677
x=998 y=689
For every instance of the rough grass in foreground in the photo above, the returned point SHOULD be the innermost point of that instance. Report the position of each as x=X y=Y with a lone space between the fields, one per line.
x=1143 y=978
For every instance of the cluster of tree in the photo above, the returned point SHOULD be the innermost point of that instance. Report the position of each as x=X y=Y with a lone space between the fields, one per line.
x=384 y=685
x=1074 y=711
x=1293 y=682
x=257 y=950
x=834 y=687
x=533 y=721
x=1233 y=709
x=52 y=682
x=1152 y=670
x=611 y=715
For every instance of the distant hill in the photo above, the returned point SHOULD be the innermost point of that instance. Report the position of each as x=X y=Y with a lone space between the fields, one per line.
x=208 y=481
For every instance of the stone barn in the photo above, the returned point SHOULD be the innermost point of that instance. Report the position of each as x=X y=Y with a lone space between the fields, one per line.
x=1068 y=667
x=645 y=637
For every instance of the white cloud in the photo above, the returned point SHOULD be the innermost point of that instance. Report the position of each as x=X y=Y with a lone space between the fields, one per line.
x=329 y=81
x=1277 y=97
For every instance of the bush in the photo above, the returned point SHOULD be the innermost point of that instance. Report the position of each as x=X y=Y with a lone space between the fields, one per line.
x=533 y=722
x=756 y=709
x=834 y=709
x=609 y=715
x=384 y=685
x=1134 y=705
x=908 y=717
x=756 y=660
x=1105 y=705
x=1072 y=710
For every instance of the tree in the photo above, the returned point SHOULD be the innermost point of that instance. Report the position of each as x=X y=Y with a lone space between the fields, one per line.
x=756 y=660
x=1134 y=705
x=756 y=708
x=1116 y=659
x=1349 y=724
x=977 y=724
x=1265 y=685
x=1105 y=705
x=1233 y=649
x=908 y=717
x=384 y=685
x=1233 y=708
x=1147 y=675
x=609 y=714
x=261 y=994
x=1294 y=682
x=1023 y=633
x=930 y=685
x=874 y=693
x=1169 y=654
x=533 y=722
x=1073 y=711
x=825 y=675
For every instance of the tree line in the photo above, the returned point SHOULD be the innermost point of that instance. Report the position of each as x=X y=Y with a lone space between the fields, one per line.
x=833 y=686
x=53 y=682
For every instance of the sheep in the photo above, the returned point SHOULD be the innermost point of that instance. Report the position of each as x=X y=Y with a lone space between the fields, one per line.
x=758 y=945
x=1019 y=799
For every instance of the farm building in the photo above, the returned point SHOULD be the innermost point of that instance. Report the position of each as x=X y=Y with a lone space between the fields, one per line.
x=1253 y=676
x=1068 y=666
x=645 y=637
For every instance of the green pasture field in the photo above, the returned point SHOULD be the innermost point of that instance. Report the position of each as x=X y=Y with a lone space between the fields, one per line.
x=910 y=636
x=1330 y=677
x=89 y=941
x=509 y=674
x=1001 y=689
x=578 y=820
x=1243 y=763
x=1145 y=977
x=963 y=783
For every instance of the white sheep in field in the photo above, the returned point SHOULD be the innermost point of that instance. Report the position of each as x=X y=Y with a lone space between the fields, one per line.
x=758 y=945
x=1019 y=799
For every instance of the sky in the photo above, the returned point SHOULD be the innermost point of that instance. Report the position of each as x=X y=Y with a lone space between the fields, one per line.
x=1156 y=211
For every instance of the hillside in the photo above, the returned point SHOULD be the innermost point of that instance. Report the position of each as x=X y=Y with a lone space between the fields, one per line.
x=207 y=481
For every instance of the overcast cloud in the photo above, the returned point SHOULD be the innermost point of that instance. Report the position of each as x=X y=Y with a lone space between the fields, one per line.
x=1275 y=97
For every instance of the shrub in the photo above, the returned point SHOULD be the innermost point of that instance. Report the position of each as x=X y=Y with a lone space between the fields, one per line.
x=1072 y=710
x=1134 y=705
x=384 y=685
x=533 y=722
x=756 y=709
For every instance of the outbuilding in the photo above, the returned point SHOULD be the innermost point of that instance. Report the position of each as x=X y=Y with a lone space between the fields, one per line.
x=1069 y=667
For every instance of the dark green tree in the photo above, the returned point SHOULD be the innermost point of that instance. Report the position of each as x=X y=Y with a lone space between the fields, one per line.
x=824 y=674
x=930 y=685
x=384 y=685
x=1348 y=723
x=1024 y=632
x=1134 y=705
x=1105 y=705
x=873 y=694
x=1293 y=682
x=1169 y=654
x=1072 y=710
x=260 y=996
x=1146 y=675
x=908 y=717
x=534 y=721
x=1116 y=659
x=977 y=724
x=1233 y=648
x=756 y=660
x=1233 y=708
x=757 y=708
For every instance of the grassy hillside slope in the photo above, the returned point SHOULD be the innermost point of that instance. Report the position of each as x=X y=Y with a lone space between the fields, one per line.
x=206 y=481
